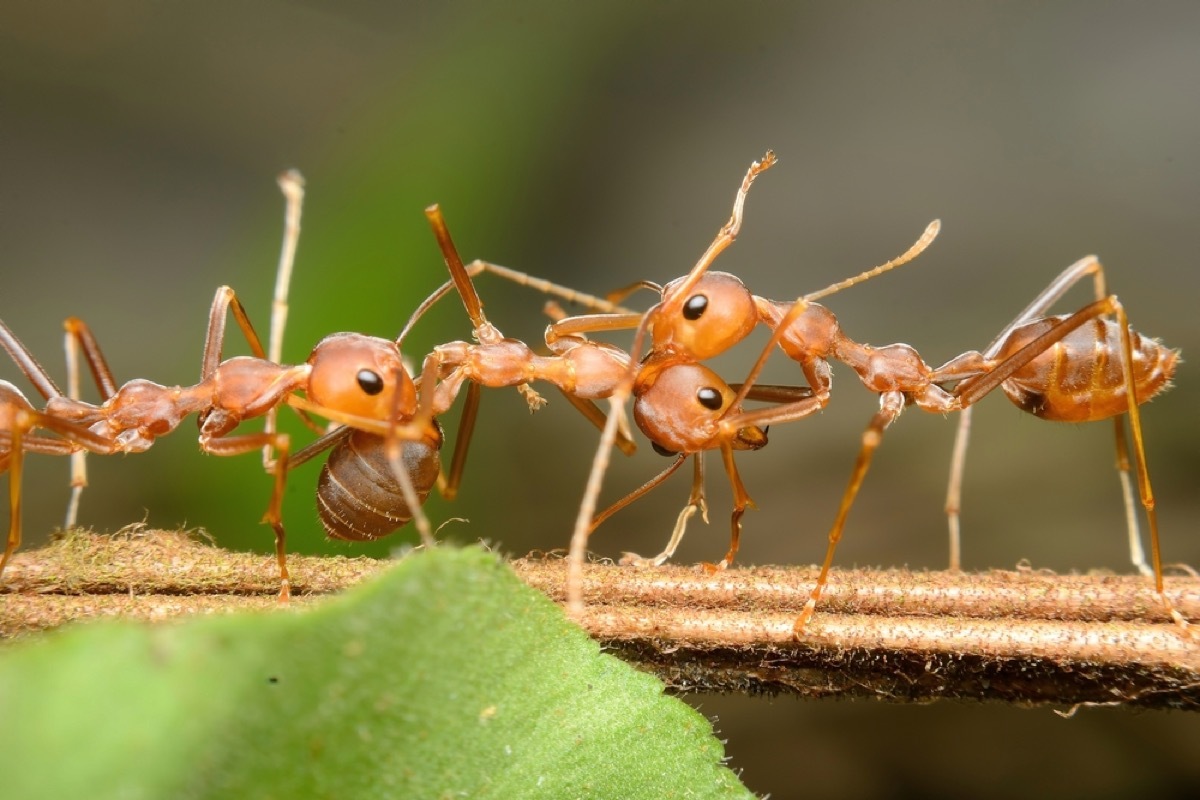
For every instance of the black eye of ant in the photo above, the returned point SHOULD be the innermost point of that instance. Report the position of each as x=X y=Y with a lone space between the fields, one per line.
x=369 y=381
x=710 y=398
x=662 y=451
x=694 y=308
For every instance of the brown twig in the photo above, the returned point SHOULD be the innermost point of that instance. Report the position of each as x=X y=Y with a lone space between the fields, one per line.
x=898 y=635
x=895 y=635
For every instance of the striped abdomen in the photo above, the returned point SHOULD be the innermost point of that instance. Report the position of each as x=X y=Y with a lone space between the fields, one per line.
x=1080 y=378
x=358 y=496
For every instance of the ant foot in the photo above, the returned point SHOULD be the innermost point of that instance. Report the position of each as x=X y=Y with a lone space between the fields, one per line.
x=800 y=626
x=641 y=562
x=535 y=400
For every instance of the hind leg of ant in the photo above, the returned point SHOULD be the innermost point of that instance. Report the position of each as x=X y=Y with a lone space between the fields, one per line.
x=890 y=406
x=971 y=390
x=1054 y=291
x=248 y=443
x=1137 y=554
x=1145 y=490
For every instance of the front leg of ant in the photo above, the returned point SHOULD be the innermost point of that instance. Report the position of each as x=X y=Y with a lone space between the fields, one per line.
x=248 y=443
x=574 y=327
x=890 y=406
x=741 y=501
x=810 y=404
x=696 y=502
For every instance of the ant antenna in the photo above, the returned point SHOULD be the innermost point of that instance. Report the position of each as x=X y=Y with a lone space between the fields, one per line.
x=931 y=232
x=918 y=247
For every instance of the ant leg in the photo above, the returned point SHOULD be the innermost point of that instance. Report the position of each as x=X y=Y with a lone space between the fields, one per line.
x=19 y=420
x=890 y=406
x=484 y=331
x=1084 y=267
x=953 y=507
x=29 y=366
x=696 y=502
x=618 y=295
x=462 y=442
x=741 y=501
x=592 y=412
x=79 y=337
x=1143 y=475
x=421 y=424
x=590 y=323
x=477 y=267
x=587 y=506
x=586 y=407
x=248 y=443
x=15 y=460
x=607 y=305
x=313 y=449
x=1137 y=555
x=971 y=390
x=636 y=494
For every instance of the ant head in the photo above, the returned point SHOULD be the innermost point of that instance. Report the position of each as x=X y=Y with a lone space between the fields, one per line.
x=717 y=312
x=361 y=375
x=680 y=408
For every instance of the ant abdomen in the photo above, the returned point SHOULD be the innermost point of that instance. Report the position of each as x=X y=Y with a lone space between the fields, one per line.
x=1080 y=378
x=358 y=495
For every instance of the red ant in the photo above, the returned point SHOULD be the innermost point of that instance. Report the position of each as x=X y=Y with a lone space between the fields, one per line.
x=359 y=495
x=1077 y=367
x=699 y=315
x=677 y=420
x=351 y=379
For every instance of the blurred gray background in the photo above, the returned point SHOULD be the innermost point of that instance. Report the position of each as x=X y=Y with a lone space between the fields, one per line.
x=598 y=145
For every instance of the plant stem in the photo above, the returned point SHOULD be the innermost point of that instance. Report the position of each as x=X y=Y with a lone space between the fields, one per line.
x=1020 y=637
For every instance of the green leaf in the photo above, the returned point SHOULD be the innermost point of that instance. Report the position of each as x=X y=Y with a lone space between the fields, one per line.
x=446 y=677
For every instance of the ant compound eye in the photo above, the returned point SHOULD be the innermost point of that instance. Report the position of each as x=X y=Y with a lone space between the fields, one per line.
x=695 y=306
x=710 y=398
x=369 y=381
x=662 y=451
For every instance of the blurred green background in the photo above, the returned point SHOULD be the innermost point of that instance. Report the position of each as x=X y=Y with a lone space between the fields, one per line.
x=600 y=144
